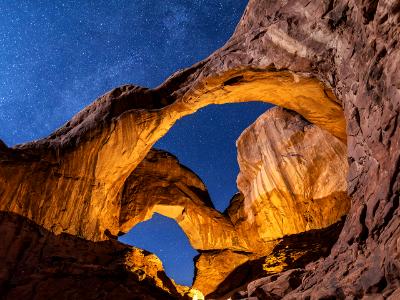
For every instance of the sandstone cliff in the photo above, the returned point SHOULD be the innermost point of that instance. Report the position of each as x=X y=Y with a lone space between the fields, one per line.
x=334 y=62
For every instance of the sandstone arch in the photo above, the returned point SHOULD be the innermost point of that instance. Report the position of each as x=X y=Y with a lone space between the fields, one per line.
x=116 y=132
x=349 y=46
x=161 y=185
x=292 y=178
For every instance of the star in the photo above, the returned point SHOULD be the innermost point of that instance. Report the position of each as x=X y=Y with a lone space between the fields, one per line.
x=59 y=56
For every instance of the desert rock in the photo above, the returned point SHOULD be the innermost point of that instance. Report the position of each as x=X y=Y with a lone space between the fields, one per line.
x=333 y=62
x=292 y=176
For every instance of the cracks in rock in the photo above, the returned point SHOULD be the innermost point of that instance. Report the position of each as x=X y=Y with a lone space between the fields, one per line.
x=390 y=129
x=394 y=200
x=364 y=229
x=378 y=287
x=375 y=76
x=234 y=80
x=369 y=10
x=259 y=35
x=337 y=17
x=329 y=9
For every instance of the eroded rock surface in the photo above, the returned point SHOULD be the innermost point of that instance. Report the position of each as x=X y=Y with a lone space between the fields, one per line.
x=291 y=252
x=319 y=59
x=292 y=176
x=292 y=179
x=354 y=46
x=160 y=184
x=115 y=133
x=36 y=264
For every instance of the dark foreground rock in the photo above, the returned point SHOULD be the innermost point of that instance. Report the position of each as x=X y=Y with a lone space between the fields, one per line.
x=335 y=62
x=290 y=253
x=36 y=264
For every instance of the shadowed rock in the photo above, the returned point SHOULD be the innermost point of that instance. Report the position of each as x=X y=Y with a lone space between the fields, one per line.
x=292 y=252
x=36 y=264
x=334 y=62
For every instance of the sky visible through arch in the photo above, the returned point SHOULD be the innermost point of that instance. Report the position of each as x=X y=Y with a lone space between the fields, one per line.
x=59 y=56
x=204 y=142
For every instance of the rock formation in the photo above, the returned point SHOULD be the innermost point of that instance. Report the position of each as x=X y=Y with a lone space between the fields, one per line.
x=36 y=264
x=161 y=185
x=292 y=176
x=292 y=179
x=356 y=43
x=334 y=62
x=290 y=252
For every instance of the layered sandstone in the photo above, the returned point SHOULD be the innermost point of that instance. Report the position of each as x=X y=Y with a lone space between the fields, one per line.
x=160 y=184
x=115 y=133
x=292 y=176
x=334 y=62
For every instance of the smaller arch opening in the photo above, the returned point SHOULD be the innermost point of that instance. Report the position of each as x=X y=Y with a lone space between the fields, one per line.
x=163 y=237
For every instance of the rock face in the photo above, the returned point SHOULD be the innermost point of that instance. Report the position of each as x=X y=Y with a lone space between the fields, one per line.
x=351 y=45
x=290 y=252
x=292 y=176
x=36 y=264
x=334 y=62
x=280 y=151
x=275 y=287
x=115 y=133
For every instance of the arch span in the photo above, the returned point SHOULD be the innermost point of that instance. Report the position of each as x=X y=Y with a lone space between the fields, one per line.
x=80 y=170
x=116 y=132
x=292 y=179
x=282 y=168
x=160 y=184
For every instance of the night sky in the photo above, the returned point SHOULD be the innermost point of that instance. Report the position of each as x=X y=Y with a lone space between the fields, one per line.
x=59 y=56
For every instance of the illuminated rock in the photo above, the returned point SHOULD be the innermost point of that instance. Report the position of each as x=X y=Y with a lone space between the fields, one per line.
x=292 y=179
x=334 y=62
x=161 y=185
x=115 y=133
x=213 y=267
x=292 y=176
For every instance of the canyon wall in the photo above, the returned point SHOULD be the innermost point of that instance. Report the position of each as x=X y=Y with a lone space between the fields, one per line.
x=334 y=62
x=353 y=45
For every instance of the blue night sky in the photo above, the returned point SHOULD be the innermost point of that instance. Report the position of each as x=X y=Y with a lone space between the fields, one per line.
x=59 y=56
